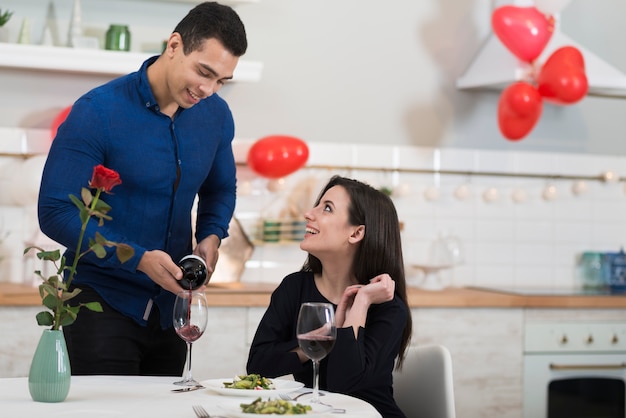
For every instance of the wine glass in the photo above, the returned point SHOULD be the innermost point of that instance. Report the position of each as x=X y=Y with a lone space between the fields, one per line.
x=190 y=319
x=316 y=332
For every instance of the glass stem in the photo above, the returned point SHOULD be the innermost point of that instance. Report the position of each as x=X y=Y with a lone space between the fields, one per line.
x=188 y=375
x=316 y=382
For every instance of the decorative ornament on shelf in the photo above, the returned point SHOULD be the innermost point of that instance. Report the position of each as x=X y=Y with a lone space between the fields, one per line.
x=75 y=29
x=561 y=80
x=49 y=376
x=24 y=36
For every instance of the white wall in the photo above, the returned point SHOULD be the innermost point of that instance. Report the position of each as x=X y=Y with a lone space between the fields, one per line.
x=534 y=243
x=349 y=71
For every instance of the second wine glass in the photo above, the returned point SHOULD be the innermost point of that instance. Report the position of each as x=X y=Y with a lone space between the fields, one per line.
x=190 y=320
x=316 y=332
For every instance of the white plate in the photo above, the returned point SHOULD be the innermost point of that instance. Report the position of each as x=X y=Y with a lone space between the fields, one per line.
x=233 y=410
x=280 y=386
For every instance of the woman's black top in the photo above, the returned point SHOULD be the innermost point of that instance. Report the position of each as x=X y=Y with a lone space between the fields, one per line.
x=361 y=367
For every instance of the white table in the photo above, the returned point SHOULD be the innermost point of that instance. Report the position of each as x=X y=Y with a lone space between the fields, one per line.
x=139 y=396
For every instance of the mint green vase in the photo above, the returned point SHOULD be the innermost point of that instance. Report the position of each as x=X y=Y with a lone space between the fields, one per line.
x=50 y=373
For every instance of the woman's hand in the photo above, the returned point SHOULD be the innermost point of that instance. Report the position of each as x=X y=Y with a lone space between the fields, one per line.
x=347 y=299
x=380 y=289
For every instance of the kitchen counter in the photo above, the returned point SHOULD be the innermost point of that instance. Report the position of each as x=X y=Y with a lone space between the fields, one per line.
x=258 y=295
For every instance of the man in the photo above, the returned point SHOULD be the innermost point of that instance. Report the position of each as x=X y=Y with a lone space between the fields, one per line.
x=168 y=135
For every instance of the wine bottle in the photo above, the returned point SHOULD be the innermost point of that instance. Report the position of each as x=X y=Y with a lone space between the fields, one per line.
x=194 y=272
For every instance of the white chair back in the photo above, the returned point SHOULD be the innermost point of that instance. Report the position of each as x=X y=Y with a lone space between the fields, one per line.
x=424 y=387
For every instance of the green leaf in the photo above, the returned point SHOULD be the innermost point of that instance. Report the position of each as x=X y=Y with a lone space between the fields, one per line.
x=124 y=252
x=77 y=202
x=49 y=255
x=69 y=316
x=27 y=249
x=47 y=289
x=93 y=306
x=102 y=207
x=86 y=195
x=99 y=250
x=54 y=281
x=100 y=239
x=69 y=295
x=63 y=262
x=50 y=301
x=44 y=318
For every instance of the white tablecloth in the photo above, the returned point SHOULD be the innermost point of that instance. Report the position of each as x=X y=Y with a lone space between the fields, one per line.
x=139 y=396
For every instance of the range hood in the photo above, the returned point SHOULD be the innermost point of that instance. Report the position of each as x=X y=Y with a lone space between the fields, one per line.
x=495 y=67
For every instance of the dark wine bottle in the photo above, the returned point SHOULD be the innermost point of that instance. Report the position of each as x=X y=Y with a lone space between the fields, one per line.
x=194 y=272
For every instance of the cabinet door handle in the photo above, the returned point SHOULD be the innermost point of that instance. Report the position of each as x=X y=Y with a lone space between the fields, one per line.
x=587 y=366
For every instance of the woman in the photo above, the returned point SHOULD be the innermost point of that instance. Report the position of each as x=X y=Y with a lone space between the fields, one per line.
x=354 y=262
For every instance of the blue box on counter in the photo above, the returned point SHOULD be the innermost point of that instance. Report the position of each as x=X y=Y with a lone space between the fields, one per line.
x=603 y=270
x=616 y=263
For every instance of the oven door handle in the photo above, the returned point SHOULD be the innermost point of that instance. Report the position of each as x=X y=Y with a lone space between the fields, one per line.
x=554 y=366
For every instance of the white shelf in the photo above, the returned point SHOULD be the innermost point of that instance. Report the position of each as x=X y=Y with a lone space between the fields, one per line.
x=94 y=61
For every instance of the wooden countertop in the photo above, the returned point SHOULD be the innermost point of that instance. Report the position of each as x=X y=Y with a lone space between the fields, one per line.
x=258 y=295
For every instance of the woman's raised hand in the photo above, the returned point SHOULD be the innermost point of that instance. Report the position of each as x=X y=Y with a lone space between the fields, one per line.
x=347 y=299
x=380 y=289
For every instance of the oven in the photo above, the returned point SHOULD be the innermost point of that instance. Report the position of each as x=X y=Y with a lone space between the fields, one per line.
x=574 y=370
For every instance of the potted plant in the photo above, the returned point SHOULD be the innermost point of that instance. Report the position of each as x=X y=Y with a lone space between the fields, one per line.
x=4 y=18
x=49 y=376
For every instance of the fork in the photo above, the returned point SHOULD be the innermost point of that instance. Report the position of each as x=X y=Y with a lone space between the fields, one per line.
x=287 y=397
x=202 y=413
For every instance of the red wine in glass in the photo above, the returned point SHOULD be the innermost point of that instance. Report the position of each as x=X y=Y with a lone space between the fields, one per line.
x=316 y=347
x=190 y=318
x=316 y=332
x=189 y=333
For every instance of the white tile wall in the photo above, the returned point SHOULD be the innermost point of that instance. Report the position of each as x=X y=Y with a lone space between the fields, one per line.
x=533 y=243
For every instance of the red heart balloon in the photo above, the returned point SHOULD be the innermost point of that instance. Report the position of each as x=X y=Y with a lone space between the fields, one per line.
x=277 y=156
x=58 y=120
x=562 y=79
x=525 y=31
x=519 y=109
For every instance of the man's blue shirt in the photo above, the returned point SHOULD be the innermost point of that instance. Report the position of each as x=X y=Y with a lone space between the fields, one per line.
x=163 y=163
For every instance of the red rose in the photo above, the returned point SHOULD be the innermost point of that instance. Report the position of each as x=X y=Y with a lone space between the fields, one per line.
x=104 y=178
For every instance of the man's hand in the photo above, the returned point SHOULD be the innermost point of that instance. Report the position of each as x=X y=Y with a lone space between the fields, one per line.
x=208 y=250
x=160 y=267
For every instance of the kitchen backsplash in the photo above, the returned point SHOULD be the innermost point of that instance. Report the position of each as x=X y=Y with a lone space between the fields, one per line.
x=506 y=230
